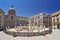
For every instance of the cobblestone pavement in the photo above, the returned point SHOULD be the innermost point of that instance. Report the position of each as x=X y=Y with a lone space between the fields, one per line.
x=54 y=36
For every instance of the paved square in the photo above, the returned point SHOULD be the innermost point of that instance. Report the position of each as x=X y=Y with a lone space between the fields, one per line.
x=54 y=36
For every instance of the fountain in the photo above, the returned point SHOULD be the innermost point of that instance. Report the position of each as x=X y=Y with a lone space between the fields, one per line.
x=25 y=30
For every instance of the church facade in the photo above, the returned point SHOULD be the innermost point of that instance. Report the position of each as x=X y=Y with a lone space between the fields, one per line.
x=11 y=19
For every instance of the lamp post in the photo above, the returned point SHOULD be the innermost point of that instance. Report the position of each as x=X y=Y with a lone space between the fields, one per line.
x=29 y=27
x=29 y=23
x=34 y=21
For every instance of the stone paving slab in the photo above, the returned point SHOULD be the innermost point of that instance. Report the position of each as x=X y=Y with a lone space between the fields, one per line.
x=54 y=36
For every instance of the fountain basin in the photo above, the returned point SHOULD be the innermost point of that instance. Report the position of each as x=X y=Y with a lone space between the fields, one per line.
x=14 y=32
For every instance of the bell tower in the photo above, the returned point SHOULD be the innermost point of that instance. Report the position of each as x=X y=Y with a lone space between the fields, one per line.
x=12 y=17
x=11 y=11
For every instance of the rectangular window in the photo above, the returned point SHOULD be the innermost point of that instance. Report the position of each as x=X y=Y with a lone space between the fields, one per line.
x=0 y=25
x=0 y=21
x=11 y=17
x=54 y=24
x=53 y=20
x=0 y=17
x=57 y=19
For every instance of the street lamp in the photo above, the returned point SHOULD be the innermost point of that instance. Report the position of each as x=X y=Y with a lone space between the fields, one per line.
x=29 y=27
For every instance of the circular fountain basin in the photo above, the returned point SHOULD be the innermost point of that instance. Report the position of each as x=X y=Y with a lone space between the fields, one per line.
x=14 y=32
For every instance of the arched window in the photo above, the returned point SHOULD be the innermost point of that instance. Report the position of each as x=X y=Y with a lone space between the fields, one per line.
x=11 y=17
x=12 y=13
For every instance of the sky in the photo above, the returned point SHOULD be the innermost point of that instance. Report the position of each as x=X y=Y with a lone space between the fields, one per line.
x=30 y=7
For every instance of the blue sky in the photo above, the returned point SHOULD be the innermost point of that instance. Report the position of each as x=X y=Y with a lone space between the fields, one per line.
x=30 y=7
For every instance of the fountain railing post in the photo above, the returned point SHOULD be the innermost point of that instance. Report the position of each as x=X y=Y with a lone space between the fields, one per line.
x=8 y=27
x=15 y=26
x=44 y=31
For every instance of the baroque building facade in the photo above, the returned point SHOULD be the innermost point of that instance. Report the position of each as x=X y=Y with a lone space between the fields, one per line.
x=2 y=14
x=41 y=20
x=56 y=20
x=11 y=19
